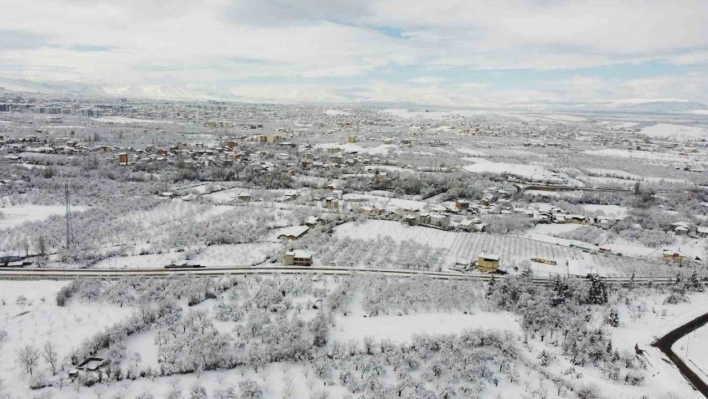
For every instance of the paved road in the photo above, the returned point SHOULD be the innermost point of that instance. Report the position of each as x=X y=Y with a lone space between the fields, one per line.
x=665 y=343
x=69 y=274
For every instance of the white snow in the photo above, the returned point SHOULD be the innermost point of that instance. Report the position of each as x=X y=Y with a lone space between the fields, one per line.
x=678 y=132
x=235 y=255
x=121 y=119
x=530 y=172
x=403 y=328
x=40 y=321
x=334 y=112
x=609 y=210
x=17 y=214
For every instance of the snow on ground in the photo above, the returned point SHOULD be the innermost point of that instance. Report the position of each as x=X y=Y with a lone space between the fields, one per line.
x=139 y=261
x=222 y=197
x=677 y=132
x=512 y=249
x=609 y=210
x=17 y=214
x=608 y=181
x=436 y=115
x=690 y=247
x=387 y=168
x=334 y=112
x=530 y=172
x=474 y=153
x=554 y=194
x=693 y=349
x=402 y=328
x=365 y=199
x=551 y=229
x=475 y=159
x=37 y=322
x=614 y=173
x=31 y=166
x=648 y=155
x=121 y=119
x=625 y=125
x=666 y=180
x=143 y=343
x=382 y=149
x=212 y=211
x=642 y=324
x=565 y=118
x=628 y=248
x=235 y=255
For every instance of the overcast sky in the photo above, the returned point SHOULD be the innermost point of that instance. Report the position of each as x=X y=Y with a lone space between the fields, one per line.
x=430 y=51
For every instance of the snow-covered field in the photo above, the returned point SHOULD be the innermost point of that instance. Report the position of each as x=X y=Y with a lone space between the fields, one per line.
x=615 y=211
x=693 y=348
x=139 y=261
x=335 y=112
x=17 y=214
x=402 y=327
x=530 y=172
x=366 y=199
x=119 y=119
x=235 y=255
x=677 y=132
x=512 y=249
x=382 y=149
x=551 y=229
x=37 y=320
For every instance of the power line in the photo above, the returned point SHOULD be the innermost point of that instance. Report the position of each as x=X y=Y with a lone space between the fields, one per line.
x=67 y=197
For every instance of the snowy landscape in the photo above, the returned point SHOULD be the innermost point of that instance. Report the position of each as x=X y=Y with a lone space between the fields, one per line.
x=377 y=199
x=545 y=259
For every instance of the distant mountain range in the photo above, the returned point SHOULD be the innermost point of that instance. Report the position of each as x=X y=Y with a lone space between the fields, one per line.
x=186 y=93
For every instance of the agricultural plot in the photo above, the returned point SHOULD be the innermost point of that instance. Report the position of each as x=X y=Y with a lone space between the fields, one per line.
x=514 y=251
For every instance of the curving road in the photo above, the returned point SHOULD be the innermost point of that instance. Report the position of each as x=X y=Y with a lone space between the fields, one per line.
x=665 y=343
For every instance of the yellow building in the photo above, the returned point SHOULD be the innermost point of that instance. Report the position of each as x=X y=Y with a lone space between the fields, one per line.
x=488 y=262
x=352 y=139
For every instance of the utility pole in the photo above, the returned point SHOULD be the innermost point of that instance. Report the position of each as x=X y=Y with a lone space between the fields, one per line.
x=68 y=215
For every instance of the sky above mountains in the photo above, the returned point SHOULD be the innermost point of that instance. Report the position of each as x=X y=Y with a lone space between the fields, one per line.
x=450 y=53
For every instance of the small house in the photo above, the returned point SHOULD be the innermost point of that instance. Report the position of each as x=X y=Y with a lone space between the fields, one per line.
x=298 y=258
x=123 y=158
x=439 y=220
x=702 y=231
x=488 y=262
x=675 y=256
x=331 y=202
x=245 y=197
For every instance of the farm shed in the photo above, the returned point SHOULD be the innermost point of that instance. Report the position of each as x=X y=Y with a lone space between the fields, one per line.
x=293 y=233
x=488 y=262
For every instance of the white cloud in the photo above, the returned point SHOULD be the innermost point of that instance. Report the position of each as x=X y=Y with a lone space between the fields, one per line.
x=213 y=43
x=428 y=80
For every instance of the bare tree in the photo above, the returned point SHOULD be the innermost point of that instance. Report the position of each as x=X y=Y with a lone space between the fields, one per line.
x=288 y=388
x=28 y=356
x=50 y=355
